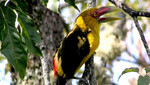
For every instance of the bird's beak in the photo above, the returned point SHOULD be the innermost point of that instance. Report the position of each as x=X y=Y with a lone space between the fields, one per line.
x=107 y=9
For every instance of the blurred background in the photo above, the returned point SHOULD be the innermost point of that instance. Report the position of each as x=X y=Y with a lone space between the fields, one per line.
x=120 y=44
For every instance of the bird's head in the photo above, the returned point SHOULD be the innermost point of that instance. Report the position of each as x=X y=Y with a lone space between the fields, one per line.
x=95 y=16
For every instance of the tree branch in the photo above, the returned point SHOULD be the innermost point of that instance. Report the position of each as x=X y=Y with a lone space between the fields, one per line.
x=134 y=14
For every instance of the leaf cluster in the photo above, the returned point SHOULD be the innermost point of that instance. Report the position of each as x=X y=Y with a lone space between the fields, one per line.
x=17 y=40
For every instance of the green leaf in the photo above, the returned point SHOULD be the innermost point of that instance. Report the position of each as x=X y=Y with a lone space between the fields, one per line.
x=147 y=70
x=45 y=2
x=12 y=46
x=29 y=33
x=127 y=70
x=72 y=3
x=144 y=80
x=13 y=49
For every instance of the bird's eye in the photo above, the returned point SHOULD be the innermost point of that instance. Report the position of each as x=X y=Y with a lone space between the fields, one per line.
x=95 y=14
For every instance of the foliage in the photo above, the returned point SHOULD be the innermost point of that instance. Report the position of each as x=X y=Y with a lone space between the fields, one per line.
x=18 y=41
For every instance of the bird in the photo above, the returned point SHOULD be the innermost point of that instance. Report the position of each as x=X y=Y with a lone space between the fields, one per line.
x=80 y=43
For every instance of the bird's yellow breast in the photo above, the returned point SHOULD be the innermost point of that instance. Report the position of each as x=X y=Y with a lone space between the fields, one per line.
x=93 y=40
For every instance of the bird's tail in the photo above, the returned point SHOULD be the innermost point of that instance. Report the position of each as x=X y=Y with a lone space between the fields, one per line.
x=61 y=81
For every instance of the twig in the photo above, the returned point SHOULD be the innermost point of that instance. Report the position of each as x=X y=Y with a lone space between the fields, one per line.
x=142 y=35
x=134 y=14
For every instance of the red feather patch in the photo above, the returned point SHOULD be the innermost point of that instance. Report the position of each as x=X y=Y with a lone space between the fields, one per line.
x=55 y=67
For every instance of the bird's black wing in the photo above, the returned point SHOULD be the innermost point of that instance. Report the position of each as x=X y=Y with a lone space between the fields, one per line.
x=72 y=51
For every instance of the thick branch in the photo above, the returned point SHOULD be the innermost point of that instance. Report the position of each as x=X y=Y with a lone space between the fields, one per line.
x=134 y=14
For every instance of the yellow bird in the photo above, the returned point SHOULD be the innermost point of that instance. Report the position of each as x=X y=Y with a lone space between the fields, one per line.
x=80 y=43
